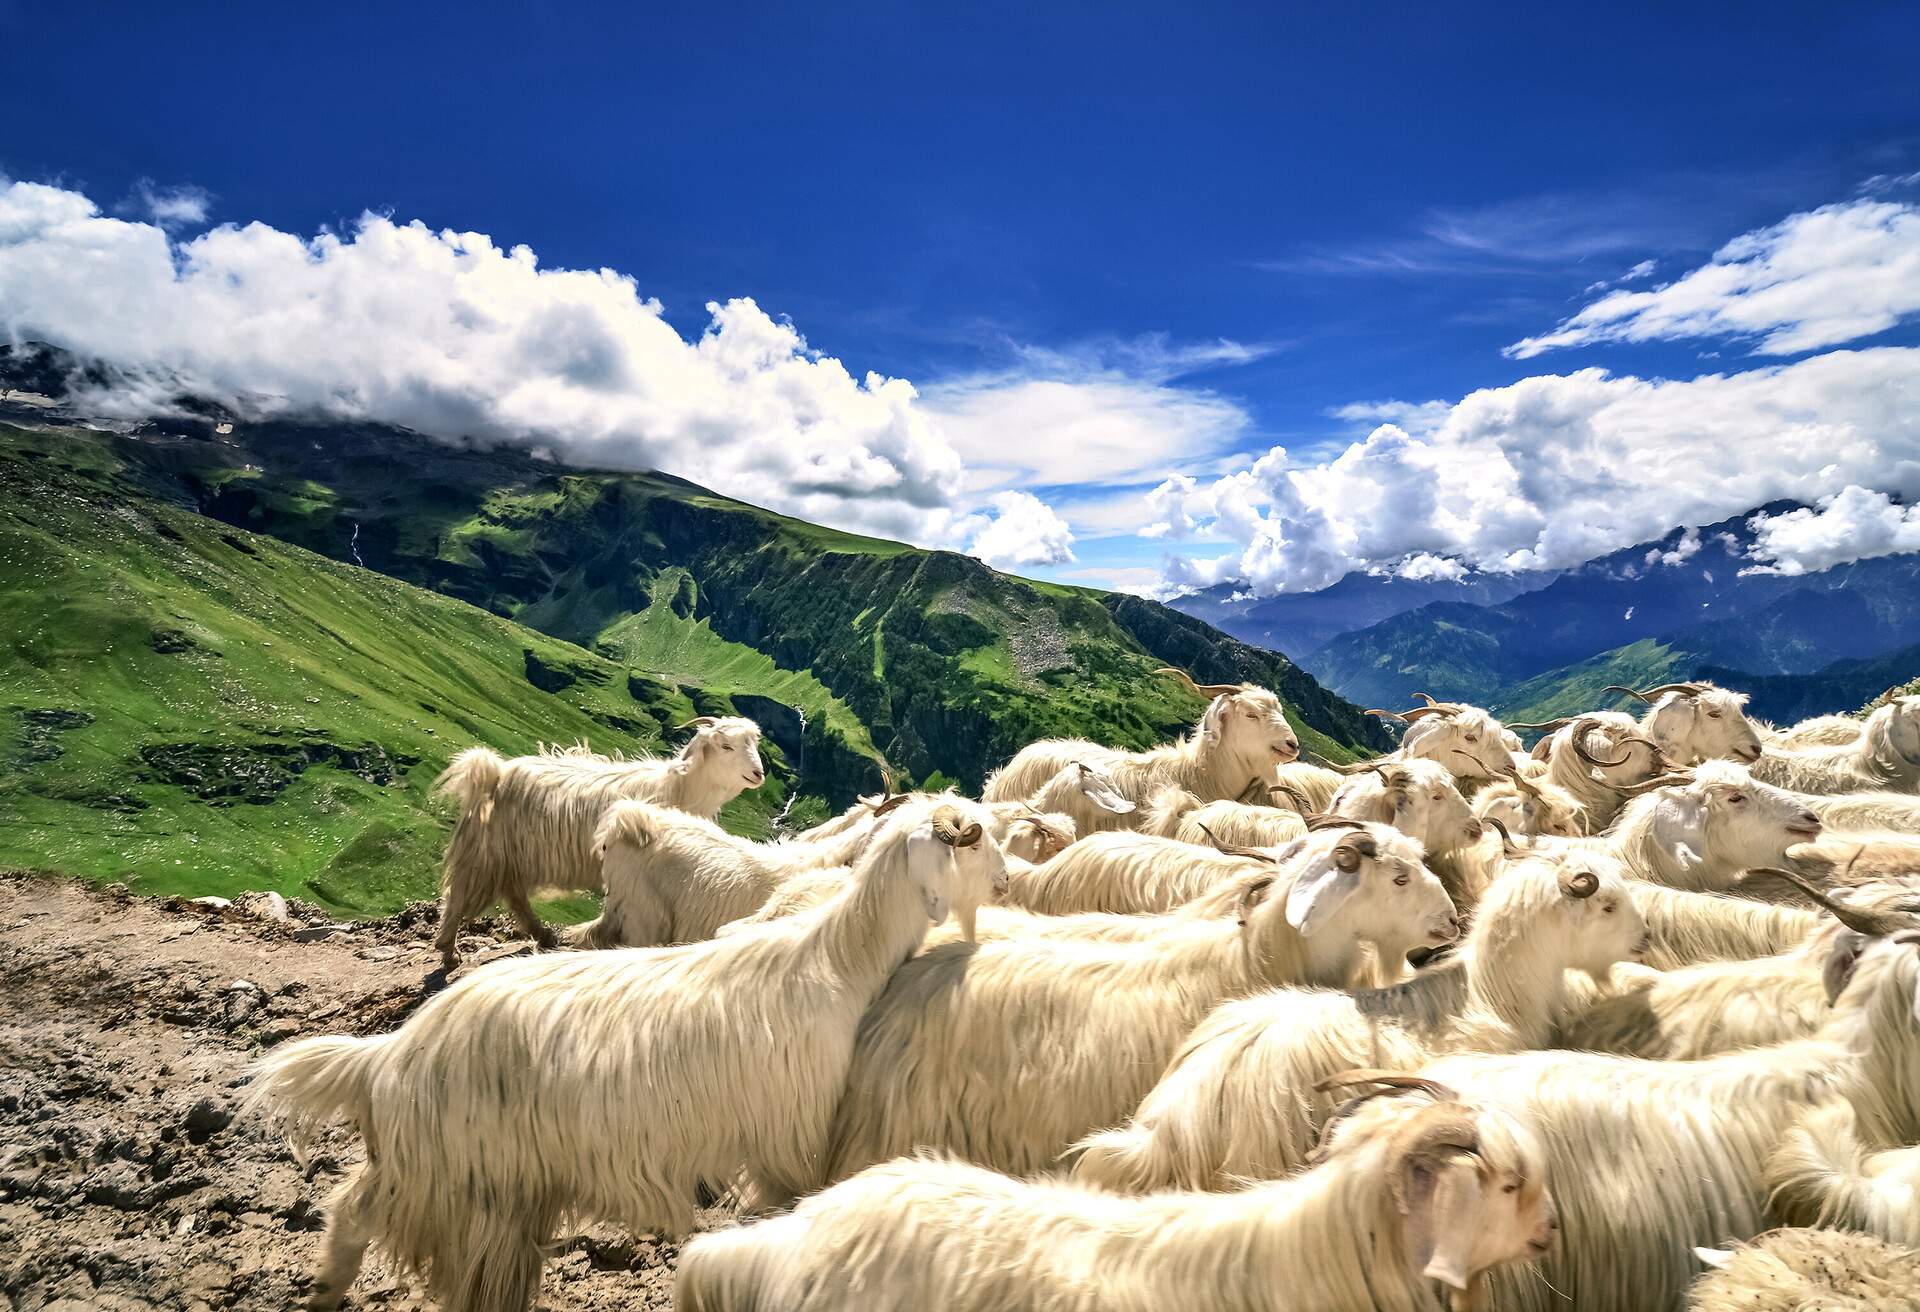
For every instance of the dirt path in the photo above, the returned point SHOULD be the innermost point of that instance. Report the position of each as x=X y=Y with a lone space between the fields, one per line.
x=125 y=1026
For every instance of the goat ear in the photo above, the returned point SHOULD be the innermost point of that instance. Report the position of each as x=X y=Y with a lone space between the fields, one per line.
x=1443 y=1201
x=931 y=864
x=1680 y=827
x=1313 y=900
x=1838 y=971
x=1099 y=790
x=1215 y=717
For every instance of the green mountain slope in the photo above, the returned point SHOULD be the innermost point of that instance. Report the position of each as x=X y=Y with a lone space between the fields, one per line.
x=200 y=709
x=1576 y=688
x=942 y=665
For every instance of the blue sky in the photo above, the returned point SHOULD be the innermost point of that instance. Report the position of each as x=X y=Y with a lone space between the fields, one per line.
x=1197 y=235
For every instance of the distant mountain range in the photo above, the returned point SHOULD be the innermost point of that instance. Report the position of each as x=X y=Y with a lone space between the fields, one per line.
x=1673 y=608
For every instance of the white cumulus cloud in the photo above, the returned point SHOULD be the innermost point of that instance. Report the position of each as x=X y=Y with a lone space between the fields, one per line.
x=457 y=337
x=1856 y=523
x=1556 y=469
x=1024 y=532
x=1815 y=279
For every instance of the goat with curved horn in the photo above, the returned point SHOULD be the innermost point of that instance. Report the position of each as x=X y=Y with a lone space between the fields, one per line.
x=1544 y=726
x=1578 y=738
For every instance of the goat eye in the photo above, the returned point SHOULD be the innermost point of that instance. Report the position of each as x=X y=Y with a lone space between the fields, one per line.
x=1511 y=1189
x=1713 y=715
x=1401 y=880
x=1736 y=798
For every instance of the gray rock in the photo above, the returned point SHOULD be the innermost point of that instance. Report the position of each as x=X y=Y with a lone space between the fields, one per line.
x=315 y=933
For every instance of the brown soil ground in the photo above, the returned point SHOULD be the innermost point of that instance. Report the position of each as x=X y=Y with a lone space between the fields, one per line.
x=126 y=1027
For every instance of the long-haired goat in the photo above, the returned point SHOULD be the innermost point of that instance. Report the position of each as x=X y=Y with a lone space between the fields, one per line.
x=1128 y=874
x=1415 y=1197
x=1243 y=733
x=1821 y=1174
x=529 y=822
x=1602 y=760
x=1465 y=740
x=1809 y=1271
x=1704 y=833
x=1697 y=722
x=1531 y=807
x=672 y=877
x=1008 y=1051
x=611 y=1084
x=1651 y=1159
x=1722 y=1006
x=1886 y=755
x=1416 y=796
x=1239 y=1100
x=1176 y=813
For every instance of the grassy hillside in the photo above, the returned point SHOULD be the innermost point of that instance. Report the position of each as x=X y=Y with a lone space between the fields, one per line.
x=1577 y=688
x=199 y=709
x=938 y=663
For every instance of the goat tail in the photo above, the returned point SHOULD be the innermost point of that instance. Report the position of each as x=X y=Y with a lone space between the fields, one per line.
x=307 y=1085
x=474 y=777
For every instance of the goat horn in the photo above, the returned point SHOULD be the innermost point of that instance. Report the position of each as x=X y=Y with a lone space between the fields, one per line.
x=952 y=829
x=1520 y=781
x=1353 y=768
x=1421 y=712
x=1294 y=795
x=1387 y=715
x=1631 y=692
x=1581 y=729
x=1688 y=689
x=1398 y=1080
x=1256 y=793
x=1332 y=822
x=1507 y=846
x=1203 y=689
x=1544 y=726
x=1875 y=924
x=1234 y=849
x=698 y=722
x=888 y=805
x=1579 y=884
x=1659 y=781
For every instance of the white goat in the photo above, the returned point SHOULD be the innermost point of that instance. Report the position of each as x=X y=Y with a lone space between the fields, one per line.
x=1697 y=722
x=494 y=1111
x=529 y=822
x=1722 y=1006
x=1530 y=807
x=1243 y=733
x=1238 y=1101
x=1704 y=833
x=1886 y=755
x=1602 y=760
x=1415 y=1196
x=1416 y=796
x=1821 y=1174
x=1126 y=873
x=1008 y=1051
x=672 y=877
x=1809 y=1271
x=1652 y=1159
x=1465 y=740
x=1820 y=731
x=1176 y=813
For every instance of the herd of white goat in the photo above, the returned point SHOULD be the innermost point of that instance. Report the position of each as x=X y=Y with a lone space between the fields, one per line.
x=1138 y=1030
